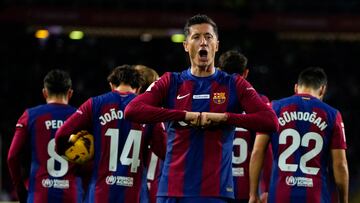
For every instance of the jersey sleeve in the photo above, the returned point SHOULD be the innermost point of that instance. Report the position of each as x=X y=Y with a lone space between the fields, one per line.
x=259 y=116
x=80 y=120
x=338 y=140
x=17 y=149
x=147 y=107
x=265 y=99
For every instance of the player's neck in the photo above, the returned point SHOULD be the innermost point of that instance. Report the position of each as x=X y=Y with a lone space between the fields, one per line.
x=309 y=91
x=202 y=71
x=57 y=100
x=125 y=88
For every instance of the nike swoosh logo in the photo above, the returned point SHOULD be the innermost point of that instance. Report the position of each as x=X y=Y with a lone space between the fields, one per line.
x=182 y=97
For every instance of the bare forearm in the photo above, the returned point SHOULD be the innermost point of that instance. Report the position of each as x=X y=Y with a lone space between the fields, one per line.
x=256 y=163
x=341 y=174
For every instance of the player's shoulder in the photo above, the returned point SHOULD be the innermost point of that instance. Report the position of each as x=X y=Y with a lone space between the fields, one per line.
x=328 y=107
x=264 y=98
x=277 y=103
x=224 y=77
x=112 y=96
x=39 y=108
x=295 y=99
x=36 y=108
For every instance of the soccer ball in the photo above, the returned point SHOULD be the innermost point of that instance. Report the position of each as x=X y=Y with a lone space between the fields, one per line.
x=82 y=148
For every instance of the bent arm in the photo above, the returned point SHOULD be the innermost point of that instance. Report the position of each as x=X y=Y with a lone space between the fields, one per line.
x=143 y=109
x=259 y=116
x=261 y=121
x=147 y=107
x=80 y=120
x=341 y=173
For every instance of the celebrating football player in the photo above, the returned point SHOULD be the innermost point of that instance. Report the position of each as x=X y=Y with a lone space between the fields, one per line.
x=202 y=106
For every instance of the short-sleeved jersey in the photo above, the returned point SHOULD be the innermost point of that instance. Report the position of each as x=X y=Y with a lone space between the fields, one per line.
x=242 y=148
x=51 y=178
x=309 y=130
x=119 y=144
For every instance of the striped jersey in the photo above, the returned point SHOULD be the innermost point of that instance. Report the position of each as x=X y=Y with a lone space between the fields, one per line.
x=242 y=148
x=51 y=178
x=198 y=161
x=154 y=167
x=117 y=169
x=309 y=130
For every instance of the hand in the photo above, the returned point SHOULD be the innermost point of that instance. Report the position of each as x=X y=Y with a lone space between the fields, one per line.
x=193 y=118
x=209 y=119
x=254 y=199
x=74 y=137
x=264 y=197
x=22 y=193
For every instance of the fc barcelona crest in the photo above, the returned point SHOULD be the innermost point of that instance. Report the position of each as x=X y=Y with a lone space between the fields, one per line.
x=219 y=97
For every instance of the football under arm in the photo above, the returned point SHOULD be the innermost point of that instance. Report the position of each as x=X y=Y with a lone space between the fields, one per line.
x=341 y=173
x=256 y=162
x=80 y=120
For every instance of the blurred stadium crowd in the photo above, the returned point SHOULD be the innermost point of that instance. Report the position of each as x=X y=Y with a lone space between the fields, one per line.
x=277 y=50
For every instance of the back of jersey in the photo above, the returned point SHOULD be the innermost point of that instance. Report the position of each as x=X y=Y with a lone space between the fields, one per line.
x=309 y=129
x=52 y=178
x=118 y=157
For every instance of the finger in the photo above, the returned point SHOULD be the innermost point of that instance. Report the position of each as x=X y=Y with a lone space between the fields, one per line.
x=199 y=119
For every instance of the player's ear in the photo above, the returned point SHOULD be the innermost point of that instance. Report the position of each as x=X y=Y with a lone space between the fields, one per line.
x=138 y=90
x=322 y=91
x=112 y=86
x=70 y=93
x=185 y=45
x=217 y=46
x=45 y=93
x=296 y=88
x=246 y=73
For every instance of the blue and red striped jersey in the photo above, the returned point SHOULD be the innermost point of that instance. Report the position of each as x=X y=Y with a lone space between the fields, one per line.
x=198 y=161
x=119 y=146
x=154 y=168
x=51 y=178
x=242 y=148
x=309 y=130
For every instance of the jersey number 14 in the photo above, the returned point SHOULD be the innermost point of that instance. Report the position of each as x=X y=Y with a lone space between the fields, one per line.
x=133 y=141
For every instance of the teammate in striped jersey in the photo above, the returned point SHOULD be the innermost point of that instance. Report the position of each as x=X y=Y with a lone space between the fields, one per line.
x=201 y=107
x=48 y=177
x=120 y=145
x=310 y=141
x=234 y=62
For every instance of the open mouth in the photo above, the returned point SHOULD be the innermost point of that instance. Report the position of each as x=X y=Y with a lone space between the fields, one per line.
x=203 y=54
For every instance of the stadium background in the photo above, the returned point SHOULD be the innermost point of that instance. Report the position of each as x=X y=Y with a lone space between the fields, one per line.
x=279 y=37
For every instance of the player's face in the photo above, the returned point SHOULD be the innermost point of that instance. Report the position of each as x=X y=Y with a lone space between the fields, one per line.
x=201 y=44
